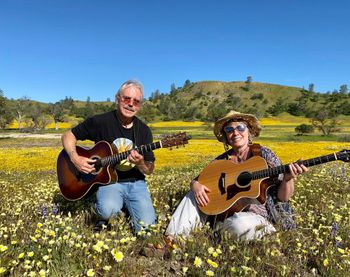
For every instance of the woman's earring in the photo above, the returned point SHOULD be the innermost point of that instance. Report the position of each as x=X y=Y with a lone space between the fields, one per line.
x=250 y=140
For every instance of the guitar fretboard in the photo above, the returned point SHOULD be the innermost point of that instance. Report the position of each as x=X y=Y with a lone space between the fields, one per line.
x=275 y=171
x=114 y=159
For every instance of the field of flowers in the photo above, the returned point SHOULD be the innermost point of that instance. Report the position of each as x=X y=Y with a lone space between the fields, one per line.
x=41 y=234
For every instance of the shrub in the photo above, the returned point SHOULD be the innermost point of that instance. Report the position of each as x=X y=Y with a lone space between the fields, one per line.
x=304 y=129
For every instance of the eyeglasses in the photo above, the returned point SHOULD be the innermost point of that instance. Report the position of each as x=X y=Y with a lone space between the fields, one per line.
x=128 y=100
x=240 y=128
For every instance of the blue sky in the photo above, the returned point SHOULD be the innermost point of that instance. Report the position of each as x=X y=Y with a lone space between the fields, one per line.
x=79 y=48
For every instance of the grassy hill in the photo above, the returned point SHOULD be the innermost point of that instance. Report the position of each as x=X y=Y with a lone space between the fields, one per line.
x=209 y=100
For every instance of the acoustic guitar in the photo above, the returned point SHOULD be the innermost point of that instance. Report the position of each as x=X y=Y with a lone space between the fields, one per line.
x=74 y=184
x=234 y=186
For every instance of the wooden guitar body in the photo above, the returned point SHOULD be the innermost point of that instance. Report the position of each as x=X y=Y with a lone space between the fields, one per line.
x=231 y=186
x=74 y=184
x=234 y=186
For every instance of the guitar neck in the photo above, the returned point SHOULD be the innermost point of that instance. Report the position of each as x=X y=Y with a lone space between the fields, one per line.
x=275 y=171
x=114 y=159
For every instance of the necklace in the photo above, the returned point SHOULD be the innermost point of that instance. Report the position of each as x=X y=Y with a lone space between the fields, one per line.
x=126 y=128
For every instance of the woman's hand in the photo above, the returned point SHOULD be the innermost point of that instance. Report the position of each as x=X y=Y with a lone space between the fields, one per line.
x=295 y=169
x=286 y=189
x=200 y=193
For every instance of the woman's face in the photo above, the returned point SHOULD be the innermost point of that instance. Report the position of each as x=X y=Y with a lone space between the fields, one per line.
x=237 y=134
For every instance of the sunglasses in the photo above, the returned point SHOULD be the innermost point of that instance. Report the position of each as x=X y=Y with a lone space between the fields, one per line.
x=240 y=128
x=129 y=100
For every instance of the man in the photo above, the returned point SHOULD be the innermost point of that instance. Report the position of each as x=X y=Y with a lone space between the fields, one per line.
x=124 y=130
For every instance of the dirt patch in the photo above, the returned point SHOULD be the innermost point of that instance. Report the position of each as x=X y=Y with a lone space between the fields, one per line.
x=25 y=135
x=18 y=140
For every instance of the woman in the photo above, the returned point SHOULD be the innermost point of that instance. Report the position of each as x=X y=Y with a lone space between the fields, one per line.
x=236 y=130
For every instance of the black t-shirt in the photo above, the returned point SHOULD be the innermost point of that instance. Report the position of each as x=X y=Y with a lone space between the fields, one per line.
x=108 y=127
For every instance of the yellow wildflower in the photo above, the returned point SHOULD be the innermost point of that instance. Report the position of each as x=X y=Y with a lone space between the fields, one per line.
x=209 y=273
x=90 y=272
x=3 y=248
x=211 y=250
x=107 y=268
x=212 y=263
x=197 y=262
x=325 y=262
x=117 y=255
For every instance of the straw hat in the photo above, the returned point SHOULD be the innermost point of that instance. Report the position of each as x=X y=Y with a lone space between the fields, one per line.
x=251 y=121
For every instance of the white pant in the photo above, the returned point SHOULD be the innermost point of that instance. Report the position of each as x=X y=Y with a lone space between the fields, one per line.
x=243 y=225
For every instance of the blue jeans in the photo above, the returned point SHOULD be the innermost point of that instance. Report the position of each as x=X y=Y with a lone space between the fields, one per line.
x=134 y=196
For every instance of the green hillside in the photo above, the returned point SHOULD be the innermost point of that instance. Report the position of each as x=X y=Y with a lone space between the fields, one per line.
x=199 y=101
x=209 y=100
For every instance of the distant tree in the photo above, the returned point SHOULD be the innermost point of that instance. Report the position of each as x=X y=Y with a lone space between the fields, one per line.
x=325 y=121
x=296 y=109
x=248 y=83
x=343 y=107
x=304 y=129
x=148 y=112
x=164 y=105
x=259 y=96
x=187 y=83
x=343 y=89
x=68 y=103
x=58 y=112
x=38 y=115
x=155 y=95
x=249 y=79
x=217 y=110
x=173 y=89
x=108 y=99
x=21 y=106
x=6 y=114
x=278 y=107
x=311 y=88
x=233 y=102
x=89 y=109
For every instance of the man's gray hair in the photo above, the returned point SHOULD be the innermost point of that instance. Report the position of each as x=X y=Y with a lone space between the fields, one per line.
x=130 y=83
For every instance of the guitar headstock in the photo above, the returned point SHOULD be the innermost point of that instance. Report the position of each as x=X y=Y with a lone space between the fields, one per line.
x=344 y=155
x=175 y=139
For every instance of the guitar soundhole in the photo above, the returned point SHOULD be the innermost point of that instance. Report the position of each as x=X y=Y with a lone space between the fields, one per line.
x=244 y=179
x=97 y=164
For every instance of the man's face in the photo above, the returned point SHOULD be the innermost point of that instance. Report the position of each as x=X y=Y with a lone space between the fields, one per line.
x=129 y=101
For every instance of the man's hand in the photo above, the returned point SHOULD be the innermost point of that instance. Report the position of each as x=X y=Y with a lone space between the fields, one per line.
x=83 y=164
x=136 y=158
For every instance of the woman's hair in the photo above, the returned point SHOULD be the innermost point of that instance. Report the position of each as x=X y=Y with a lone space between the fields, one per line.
x=130 y=83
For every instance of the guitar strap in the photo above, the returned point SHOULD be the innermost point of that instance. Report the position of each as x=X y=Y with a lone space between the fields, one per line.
x=255 y=149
